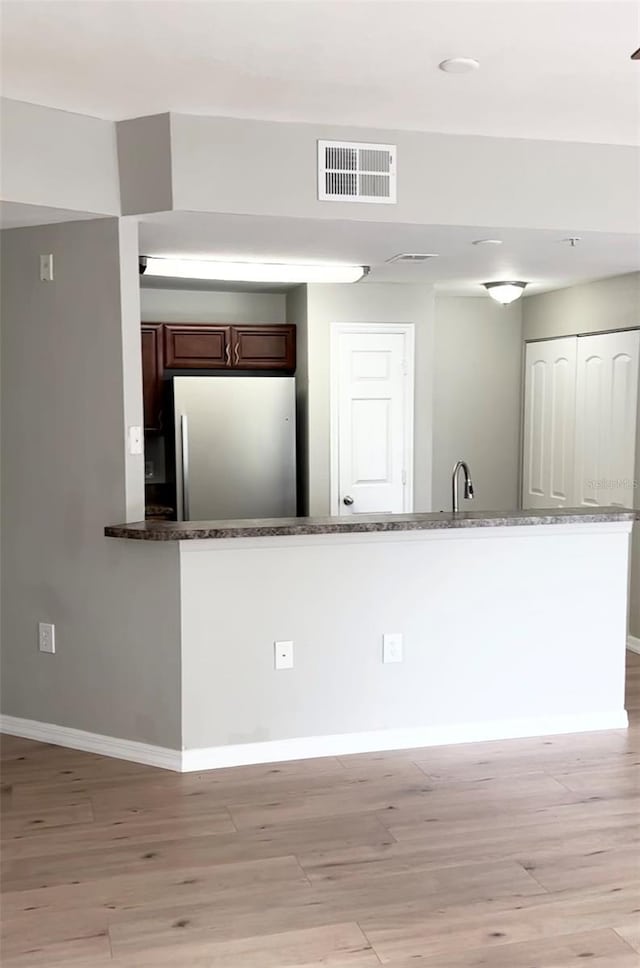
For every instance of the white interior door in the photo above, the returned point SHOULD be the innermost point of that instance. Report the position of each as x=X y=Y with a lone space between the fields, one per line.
x=549 y=423
x=373 y=420
x=606 y=416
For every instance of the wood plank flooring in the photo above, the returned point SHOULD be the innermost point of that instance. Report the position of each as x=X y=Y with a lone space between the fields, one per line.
x=518 y=854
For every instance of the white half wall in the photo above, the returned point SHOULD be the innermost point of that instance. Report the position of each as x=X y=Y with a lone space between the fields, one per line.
x=71 y=385
x=477 y=399
x=537 y=637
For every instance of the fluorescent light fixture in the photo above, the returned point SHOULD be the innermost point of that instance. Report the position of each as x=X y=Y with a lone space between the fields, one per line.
x=505 y=292
x=272 y=272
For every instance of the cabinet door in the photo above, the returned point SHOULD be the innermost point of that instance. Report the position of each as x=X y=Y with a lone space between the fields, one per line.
x=549 y=423
x=152 y=375
x=606 y=416
x=201 y=346
x=264 y=347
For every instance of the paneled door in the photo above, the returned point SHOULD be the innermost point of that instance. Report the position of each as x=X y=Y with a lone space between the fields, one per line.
x=606 y=417
x=372 y=419
x=549 y=423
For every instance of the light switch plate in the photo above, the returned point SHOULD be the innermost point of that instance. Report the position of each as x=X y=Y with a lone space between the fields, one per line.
x=392 y=647
x=46 y=267
x=283 y=655
x=136 y=442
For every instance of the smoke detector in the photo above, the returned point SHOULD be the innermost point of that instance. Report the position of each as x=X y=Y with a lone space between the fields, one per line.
x=351 y=171
x=413 y=257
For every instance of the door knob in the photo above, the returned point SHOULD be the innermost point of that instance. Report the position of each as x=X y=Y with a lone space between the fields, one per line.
x=347 y=500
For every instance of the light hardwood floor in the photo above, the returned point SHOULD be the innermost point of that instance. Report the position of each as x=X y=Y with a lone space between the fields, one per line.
x=519 y=854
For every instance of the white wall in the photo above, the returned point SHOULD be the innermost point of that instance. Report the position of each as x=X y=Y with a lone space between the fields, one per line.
x=477 y=399
x=207 y=306
x=537 y=632
x=366 y=303
x=70 y=387
x=58 y=159
x=595 y=307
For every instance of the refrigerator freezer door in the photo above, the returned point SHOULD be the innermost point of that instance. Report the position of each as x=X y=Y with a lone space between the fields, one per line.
x=239 y=434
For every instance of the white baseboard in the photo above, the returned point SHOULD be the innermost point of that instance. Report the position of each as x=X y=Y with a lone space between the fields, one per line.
x=633 y=644
x=306 y=747
x=78 y=739
x=344 y=744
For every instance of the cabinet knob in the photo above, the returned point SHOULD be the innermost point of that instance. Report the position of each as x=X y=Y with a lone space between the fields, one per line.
x=348 y=500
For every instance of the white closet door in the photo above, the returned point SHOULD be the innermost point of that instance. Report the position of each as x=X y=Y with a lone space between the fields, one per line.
x=549 y=423
x=606 y=416
x=372 y=429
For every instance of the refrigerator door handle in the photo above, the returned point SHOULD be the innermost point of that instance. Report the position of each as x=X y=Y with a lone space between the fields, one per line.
x=184 y=442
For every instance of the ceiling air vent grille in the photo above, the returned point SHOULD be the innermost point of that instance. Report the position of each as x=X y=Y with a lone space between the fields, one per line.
x=413 y=257
x=352 y=172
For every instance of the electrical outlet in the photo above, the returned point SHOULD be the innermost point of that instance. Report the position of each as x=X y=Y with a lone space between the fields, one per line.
x=47 y=637
x=283 y=655
x=392 y=647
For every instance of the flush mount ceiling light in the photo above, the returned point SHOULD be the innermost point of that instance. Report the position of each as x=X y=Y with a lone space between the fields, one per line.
x=487 y=242
x=459 y=65
x=505 y=292
x=272 y=272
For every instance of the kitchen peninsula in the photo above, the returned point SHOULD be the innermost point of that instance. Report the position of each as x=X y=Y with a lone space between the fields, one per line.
x=512 y=624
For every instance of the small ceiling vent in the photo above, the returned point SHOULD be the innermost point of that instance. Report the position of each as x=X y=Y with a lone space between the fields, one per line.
x=352 y=172
x=413 y=257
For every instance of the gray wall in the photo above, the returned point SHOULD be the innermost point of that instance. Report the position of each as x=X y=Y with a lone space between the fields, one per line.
x=208 y=306
x=58 y=159
x=593 y=308
x=477 y=391
x=144 y=163
x=366 y=303
x=70 y=387
x=269 y=168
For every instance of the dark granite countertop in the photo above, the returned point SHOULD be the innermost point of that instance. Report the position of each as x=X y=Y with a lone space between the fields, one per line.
x=267 y=527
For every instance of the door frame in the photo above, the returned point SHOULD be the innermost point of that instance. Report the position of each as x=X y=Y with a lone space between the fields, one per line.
x=395 y=329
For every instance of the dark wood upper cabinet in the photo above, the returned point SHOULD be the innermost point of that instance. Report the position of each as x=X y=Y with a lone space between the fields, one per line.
x=264 y=347
x=152 y=375
x=201 y=346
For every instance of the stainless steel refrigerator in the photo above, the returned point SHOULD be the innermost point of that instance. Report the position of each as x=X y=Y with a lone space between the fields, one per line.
x=235 y=445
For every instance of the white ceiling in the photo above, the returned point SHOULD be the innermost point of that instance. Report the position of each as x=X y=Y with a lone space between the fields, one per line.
x=537 y=257
x=549 y=69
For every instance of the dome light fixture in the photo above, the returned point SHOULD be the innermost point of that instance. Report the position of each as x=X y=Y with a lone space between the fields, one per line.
x=505 y=292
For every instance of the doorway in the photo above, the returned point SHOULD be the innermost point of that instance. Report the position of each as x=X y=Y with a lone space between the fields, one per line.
x=372 y=410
